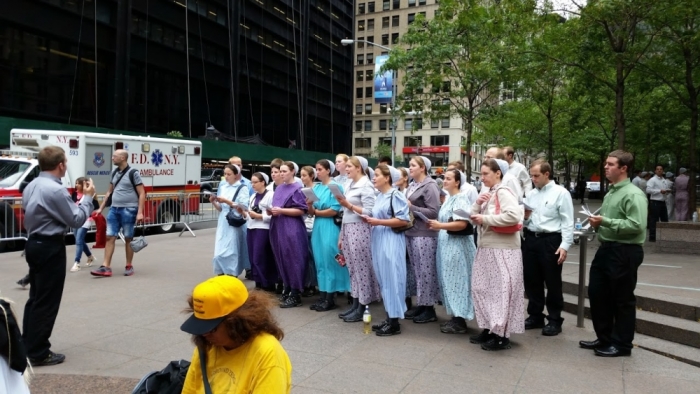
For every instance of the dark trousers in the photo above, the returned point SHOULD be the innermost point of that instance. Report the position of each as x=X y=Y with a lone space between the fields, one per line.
x=613 y=279
x=657 y=213
x=539 y=268
x=46 y=258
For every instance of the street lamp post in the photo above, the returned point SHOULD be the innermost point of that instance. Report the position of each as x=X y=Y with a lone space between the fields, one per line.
x=349 y=41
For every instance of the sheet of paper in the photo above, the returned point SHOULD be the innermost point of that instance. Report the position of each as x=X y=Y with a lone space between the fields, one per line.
x=584 y=210
x=309 y=193
x=335 y=190
x=462 y=213
x=243 y=206
x=420 y=216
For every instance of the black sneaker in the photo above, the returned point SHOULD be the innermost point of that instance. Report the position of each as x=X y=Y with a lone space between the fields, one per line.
x=291 y=302
x=24 y=281
x=309 y=292
x=411 y=313
x=377 y=327
x=484 y=337
x=355 y=316
x=51 y=359
x=496 y=343
x=326 y=305
x=388 y=330
x=551 y=329
x=453 y=327
x=346 y=312
x=316 y=304
x=427 y=316
x=532 y=322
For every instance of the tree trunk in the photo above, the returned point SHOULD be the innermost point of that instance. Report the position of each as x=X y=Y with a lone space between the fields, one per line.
x=470 y=127
x=620 y=105
x=550 y=142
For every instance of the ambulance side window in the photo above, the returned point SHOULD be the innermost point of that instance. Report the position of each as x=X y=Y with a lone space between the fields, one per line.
x=30 y=177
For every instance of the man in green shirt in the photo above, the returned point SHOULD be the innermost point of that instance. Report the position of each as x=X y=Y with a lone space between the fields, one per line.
x=621 y=229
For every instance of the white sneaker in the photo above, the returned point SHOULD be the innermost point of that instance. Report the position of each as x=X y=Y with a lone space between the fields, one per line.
x=90 y=261
x=76 y=267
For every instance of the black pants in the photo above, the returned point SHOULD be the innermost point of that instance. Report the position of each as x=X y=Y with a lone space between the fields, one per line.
x=657 y=213
x=539 y=268
x=46 y=258
x=613 y=279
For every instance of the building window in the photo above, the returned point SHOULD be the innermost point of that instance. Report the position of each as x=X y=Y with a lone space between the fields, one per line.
x=368 y=125
x=386 y=5
x=370 y=24
x=385 y=22
x=382 y=124
x=358 y=109
x=395 y=21
x=385 y=39
x=360 y=59
x=369 y=75
x=422 y=2
x=397 y=4
x=446 y=86
x=368 y=92
x=411 y=18
x=385 y=141
x=408 y=124
x=361 y=25
x=439 y=140
x=358 y=93
x=434 y=124
x=370 y=38
x=363 y=143
x=370 y=6
x=361 y=8
x=368 y=108
x=370 y=58
x=411 y=3
x=412 y=141
x=358 y=125
x=382 y=108
x=360 y=43
x=394 y=38
x=446 y=123
x=419 y=123
x=360 y=76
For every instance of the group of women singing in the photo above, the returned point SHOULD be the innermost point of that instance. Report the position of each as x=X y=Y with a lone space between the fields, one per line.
x=384 y=238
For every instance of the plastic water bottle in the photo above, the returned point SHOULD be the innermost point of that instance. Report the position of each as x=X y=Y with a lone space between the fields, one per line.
x=695 y=217
x=367 y=320
x=578 y=226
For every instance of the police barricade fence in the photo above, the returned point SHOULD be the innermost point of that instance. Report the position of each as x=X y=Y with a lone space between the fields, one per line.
x=11 y=221
x=205 y=212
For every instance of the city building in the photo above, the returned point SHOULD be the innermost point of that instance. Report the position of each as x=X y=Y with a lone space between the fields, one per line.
x=272 y=70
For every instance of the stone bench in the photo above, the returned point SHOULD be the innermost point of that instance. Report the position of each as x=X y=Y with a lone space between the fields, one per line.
x=677 y=237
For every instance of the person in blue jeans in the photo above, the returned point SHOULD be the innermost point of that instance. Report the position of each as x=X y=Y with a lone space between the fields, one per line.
x=128 y=198
x=80 y=232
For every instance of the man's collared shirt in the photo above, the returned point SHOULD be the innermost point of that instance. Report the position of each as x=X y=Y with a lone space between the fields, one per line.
x=49 y=209
x=553 y=212
x=470 y=192
x=520 y=173
x=636 y=181
x=624 y=213
x=654 y=187
x=247 y=184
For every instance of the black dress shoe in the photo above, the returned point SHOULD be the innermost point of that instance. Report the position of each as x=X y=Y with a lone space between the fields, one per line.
x=592 y=344
x=484 y=337
x=377 y=327
x=411 y=313
x=355 y=316
x=551 y=329
x=427 y=316
x=612 y=351
x=533 y=322
x=51 y=359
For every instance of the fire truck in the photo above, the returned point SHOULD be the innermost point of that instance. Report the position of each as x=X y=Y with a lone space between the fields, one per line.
x=170 y=170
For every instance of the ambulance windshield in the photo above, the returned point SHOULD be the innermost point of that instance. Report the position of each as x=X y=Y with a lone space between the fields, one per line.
x=11 y=171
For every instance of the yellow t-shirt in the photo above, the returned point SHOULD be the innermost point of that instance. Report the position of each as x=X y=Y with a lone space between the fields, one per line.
x=259 y=366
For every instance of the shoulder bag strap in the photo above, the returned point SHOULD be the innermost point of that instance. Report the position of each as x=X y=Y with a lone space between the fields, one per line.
x=131 y=179
x=391 y=204
x=120 y=178
x=237 y=190
x=203 y=365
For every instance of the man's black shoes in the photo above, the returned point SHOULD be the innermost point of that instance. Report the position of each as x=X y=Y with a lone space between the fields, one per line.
x=612 y=351
x=51 y=359
x=592 y=345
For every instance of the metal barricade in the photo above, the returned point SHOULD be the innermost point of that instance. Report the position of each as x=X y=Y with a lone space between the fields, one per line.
x=205 y=211
x=11 y=221
x=166 y=210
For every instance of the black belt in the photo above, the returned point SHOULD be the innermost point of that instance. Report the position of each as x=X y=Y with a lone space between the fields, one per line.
x=541 y=234
x=40 y=237
x=614 y=243
x=659 y=201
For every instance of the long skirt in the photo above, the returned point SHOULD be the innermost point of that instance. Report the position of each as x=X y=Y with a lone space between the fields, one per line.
x=230 y=248
x=358 y=257
x=454 y=266
x=682 y=206
x=262 y=261
x=310 y=280
x=421 y=252
x=390 y=267
x=498 y=291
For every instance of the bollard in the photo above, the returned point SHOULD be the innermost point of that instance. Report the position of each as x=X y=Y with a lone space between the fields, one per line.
x=583 y=245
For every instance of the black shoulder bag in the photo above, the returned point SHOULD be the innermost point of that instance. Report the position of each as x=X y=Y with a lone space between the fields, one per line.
x=203 y=365
x=469 y=230
x=232 y=218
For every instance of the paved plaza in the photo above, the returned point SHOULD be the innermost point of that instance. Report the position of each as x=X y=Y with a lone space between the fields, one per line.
x=115 y=330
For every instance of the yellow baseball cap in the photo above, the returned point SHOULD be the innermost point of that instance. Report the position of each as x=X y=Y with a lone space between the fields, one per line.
x=213 y=300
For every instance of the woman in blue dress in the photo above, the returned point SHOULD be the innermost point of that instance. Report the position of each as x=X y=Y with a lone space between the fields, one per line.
x=455 y=254
x=230 y=247
x=332 y=277
x=389 y=248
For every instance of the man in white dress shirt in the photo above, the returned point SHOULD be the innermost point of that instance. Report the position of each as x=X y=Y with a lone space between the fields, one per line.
x=518 y=170
x=508 y=179
x=657 y=190
x=549 y=232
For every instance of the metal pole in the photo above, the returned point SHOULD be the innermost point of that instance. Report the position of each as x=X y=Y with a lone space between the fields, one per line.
x=583 y=244
x=393 y=118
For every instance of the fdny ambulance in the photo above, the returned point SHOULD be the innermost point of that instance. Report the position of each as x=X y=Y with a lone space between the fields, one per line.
x=170 y=170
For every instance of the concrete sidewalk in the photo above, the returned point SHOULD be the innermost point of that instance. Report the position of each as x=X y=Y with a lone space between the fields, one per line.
x=115 y=330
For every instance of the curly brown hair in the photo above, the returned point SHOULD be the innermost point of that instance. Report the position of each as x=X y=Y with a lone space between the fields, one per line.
x=250 y=320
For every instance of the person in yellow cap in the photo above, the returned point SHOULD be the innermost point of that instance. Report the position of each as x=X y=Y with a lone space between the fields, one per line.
x=237 y=340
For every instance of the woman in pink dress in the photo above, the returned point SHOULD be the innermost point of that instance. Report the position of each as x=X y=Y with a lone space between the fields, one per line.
x=497 y=274
x=682 y=196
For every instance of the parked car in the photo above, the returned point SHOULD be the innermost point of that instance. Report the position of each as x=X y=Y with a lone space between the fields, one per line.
x=209 y=181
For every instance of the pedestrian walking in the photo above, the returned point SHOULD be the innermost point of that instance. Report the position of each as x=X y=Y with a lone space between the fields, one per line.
x=657 y=191
x=80 y=232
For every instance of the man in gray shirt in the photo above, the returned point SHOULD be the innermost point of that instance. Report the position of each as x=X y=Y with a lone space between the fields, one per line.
x=128 y=197
x=49 y=212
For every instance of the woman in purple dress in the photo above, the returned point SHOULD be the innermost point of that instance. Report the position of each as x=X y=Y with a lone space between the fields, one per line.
x=262 y=261
x=290 y=244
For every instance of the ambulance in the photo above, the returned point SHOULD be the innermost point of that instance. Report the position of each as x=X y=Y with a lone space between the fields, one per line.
x=170 y=170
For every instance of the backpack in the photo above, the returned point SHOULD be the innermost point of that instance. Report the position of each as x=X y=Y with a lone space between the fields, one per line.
x=167 y=381
x=131 y=179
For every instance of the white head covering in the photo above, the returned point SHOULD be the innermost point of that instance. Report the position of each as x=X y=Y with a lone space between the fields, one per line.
x=395 y=174
x=363 y=162
x=427 y=162
x=503 y=165
x=669 y=174
x=683 y=170
x=315 y=173
x=265 y=177
x=330 y=163
x=296 y=168
x=238 y=168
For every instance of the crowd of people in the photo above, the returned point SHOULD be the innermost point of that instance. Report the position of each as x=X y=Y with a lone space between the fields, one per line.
x=385 y=234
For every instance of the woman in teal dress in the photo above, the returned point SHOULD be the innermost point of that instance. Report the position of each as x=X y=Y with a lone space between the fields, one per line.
x=332 y=277
x=455 y=255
